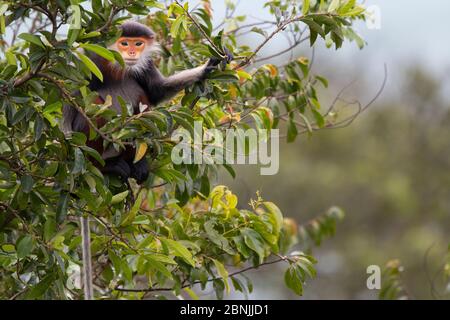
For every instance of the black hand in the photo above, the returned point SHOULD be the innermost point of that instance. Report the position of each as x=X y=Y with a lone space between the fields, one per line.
x=214 y=62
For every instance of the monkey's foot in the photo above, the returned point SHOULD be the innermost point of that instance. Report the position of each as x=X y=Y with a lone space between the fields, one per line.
x=140 y=171
x=117 y=167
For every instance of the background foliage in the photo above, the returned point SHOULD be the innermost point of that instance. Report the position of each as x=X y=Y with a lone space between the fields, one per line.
x=389 y=172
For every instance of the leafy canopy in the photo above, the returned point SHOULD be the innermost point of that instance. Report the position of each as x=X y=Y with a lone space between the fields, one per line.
x=176 y=230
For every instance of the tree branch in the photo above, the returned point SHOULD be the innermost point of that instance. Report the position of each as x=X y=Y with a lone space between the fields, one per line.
x=199 y=28
x=72 y=101
x=280 y=28
x=198 y=281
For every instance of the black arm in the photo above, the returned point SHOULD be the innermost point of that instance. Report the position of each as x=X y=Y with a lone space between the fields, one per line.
x=160 y=88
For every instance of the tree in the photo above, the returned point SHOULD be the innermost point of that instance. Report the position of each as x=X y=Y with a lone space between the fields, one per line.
x=175 y=231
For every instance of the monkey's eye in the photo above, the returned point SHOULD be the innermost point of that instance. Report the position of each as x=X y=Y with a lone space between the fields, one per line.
x=139 y=43
x=124 y=43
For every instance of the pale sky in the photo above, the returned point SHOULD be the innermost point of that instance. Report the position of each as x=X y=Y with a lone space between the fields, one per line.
x=412 y=32
x=410 y=29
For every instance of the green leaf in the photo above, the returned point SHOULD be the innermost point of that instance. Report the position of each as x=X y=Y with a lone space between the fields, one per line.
x=184 y=123
x=126 y=270
x=129 y=218
x=306 y=121
x=26 y=183
x=2 y=24
x=292 y=130
x=347 y=7
x=91 y=34
x=216 y=237
x=32 y=39
x=320 y=120
x=191 y=293
x=72 y=36
x=10 y=57
x=179 y=250
x=118 y=57
x=293 y=280
x=41 y=288
x=322 y=80
x=230 y=170
x=259 y=31
x=91 y=65
x=254 y=241
x=157 y=265
x=49 y=228
x=3 y=8
x=314 y=26
x=312 y=37
x=120 y=197
x=334 y=5
x=305 y=7
x=94 y=154
x=61 y=210
x=176 y=25
x=224 y=76
x=115 y=260
x=101 y=51
x=8 y=248
x=223 y=273
x=24 y=246
x=276 y=214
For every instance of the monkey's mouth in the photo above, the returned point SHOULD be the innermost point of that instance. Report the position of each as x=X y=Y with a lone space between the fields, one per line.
x=131 y=62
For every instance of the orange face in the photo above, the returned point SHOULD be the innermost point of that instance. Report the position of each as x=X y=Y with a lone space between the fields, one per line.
x=132 y=48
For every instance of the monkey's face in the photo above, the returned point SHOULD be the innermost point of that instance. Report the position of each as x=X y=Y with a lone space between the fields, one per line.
x=133 y=49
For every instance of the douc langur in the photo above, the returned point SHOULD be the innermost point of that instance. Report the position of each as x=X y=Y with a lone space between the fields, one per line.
x=140 y=82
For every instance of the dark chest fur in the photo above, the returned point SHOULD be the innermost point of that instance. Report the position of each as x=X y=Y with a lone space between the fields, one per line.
x=117 y=83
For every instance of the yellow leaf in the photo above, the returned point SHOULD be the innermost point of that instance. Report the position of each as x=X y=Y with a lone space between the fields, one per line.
x=233 y=91
x=244 y=75
x=141 y=150
x=272 y=69
x=225 y=119
x=108 y=101
x=117 y=198
x=303 y=60
x=232 y=200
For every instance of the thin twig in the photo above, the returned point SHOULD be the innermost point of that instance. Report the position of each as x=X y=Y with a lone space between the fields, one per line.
x=280 y=28
x=194 y=21
x=72 y=101
x=198 y=281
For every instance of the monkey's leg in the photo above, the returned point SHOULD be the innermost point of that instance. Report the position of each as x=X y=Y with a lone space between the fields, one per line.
x=118 y=167
x=140 y=171
x=87 y=263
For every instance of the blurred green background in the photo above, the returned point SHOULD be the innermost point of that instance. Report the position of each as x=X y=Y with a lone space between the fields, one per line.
x=389 y=170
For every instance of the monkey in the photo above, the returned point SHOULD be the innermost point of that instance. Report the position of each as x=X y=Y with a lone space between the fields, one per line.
x=138 y=83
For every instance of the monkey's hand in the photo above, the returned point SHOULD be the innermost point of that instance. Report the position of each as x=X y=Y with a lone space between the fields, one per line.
x=213 y=62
